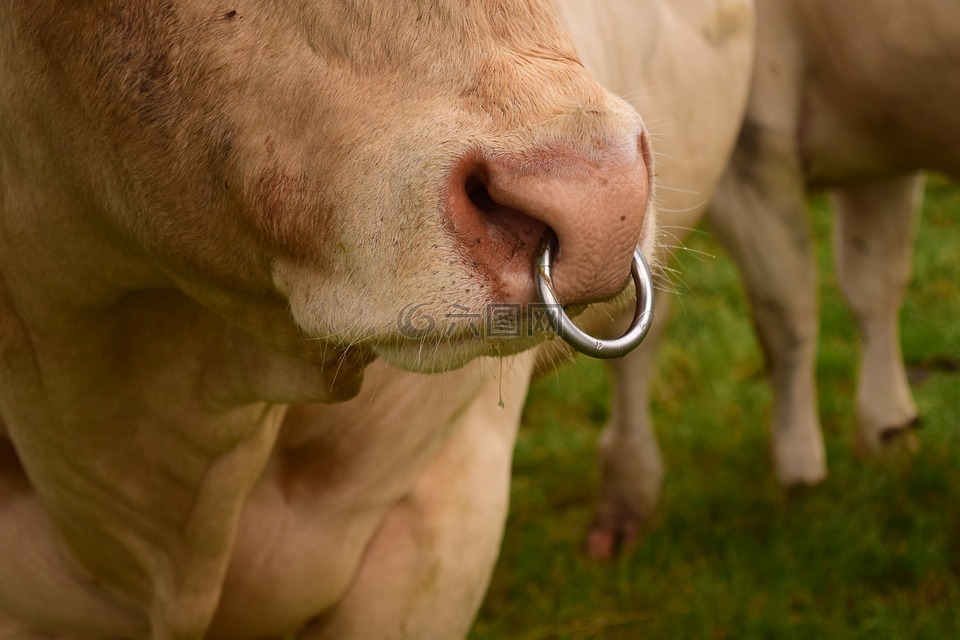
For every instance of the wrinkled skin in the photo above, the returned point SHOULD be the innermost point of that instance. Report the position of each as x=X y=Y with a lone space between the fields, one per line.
x=212 y=220
x=848 y=98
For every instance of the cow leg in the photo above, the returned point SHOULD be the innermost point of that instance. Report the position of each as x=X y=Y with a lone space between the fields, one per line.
x=873 y=243
x=425 y=573
x=760 y=216
x=631 y=467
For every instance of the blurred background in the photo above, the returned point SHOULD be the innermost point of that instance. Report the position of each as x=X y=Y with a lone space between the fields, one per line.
x=874 y=552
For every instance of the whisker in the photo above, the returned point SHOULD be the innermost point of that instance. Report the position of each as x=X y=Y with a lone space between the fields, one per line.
x=699 y=254
x=696 y=230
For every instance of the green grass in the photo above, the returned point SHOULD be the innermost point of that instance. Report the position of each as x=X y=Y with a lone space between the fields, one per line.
x=872 y=553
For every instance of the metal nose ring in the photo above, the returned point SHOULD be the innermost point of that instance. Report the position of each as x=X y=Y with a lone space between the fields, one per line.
x=571 y=333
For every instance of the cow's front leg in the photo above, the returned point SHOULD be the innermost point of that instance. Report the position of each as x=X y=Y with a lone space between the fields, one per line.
x=760 y=216
x=631 y=467
x=873 y=242
x=426 y=570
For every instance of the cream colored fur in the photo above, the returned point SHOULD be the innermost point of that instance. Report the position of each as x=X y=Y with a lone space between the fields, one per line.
x=212 y=218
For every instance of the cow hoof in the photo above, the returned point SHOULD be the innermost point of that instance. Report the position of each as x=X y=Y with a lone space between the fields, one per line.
x=801 y=471
x=798 y=455
x=799 y=483
x=606 y=543
x=891 y=439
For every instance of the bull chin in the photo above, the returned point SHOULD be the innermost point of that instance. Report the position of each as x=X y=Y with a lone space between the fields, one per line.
x=440 y=355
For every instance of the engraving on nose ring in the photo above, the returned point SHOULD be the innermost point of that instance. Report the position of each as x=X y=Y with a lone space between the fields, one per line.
x=561 y=323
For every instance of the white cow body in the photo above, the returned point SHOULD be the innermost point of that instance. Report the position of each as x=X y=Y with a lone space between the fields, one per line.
x=858 y=110
x=855 y=97
x=212 y=221
x=361 y=512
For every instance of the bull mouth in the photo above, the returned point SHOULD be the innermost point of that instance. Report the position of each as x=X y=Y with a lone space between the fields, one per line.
x=431 y=354
x=506 y=329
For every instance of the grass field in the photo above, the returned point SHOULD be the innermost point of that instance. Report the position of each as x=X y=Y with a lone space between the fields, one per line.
x=872 y=553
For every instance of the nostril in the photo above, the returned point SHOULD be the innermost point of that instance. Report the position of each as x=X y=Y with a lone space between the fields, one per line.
x=498 y=239
x=497 y=212
x=479 y=195
x=498 y=220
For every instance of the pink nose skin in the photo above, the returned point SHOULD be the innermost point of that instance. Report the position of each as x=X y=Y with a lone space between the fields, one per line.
x=498 y=211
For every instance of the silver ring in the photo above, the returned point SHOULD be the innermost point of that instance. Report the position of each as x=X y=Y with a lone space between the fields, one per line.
x=571 y=333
